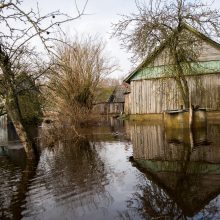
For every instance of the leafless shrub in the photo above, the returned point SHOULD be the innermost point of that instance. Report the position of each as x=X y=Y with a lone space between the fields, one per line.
x=20 y=26
x=79 y=68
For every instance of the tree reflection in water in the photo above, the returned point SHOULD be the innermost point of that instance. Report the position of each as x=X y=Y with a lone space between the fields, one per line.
x=183 y=177
x=15 y=172
x=91 y=178
x=14 y=180
x=70 y=177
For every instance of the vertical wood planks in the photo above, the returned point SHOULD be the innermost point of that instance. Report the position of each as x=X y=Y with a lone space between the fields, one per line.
x=154 y=96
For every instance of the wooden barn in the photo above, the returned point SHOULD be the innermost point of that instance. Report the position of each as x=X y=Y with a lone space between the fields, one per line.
x=153 y=92
x=114 y=103
x=117 y=99
x=100 y=105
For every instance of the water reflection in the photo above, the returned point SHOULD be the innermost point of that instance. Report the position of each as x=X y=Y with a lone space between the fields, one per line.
x=174 y=175
x=75 y=178
x=182 y=170
x=65 y=177
x=88 y=179
x=14 y=172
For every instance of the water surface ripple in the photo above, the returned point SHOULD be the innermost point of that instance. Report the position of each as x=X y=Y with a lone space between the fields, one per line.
x=167 y=177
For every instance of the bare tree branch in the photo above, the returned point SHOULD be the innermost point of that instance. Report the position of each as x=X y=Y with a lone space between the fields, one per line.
x=78 y=70
x=19 y=27
x=161 y=23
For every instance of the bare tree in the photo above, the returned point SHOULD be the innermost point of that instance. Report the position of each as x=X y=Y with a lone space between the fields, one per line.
x=19 y=27
x=159 y=22
x=79 y=68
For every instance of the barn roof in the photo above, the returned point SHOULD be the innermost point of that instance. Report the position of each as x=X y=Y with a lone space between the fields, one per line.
x=160 y=48
x=118 y=93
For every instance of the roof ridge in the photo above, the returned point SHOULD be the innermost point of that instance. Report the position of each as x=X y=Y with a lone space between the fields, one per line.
x=159 y=49
x=200 y=34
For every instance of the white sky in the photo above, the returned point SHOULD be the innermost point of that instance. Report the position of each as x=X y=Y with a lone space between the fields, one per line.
x=102 y=13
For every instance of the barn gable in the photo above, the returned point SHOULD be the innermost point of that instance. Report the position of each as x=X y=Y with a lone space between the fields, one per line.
x=154 y=65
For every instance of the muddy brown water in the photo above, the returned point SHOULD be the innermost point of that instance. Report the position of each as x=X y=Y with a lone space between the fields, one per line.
x=172 y=175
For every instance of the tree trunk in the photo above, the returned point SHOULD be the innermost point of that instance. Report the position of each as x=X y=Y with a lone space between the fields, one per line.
x=184 y=91
x=179 y=74
x=19 y=197
x=13 y=108
x=26 y=140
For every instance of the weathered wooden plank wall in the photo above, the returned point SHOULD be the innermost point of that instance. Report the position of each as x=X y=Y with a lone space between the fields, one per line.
x=208 y=53
x=116 y=107
x=158 y=95
x=127 y=104
x=101 y=108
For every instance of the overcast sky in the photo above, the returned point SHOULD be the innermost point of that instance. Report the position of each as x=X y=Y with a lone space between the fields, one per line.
x=101 y=14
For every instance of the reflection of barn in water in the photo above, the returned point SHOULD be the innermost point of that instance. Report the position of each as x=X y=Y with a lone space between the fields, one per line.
x=189 y=176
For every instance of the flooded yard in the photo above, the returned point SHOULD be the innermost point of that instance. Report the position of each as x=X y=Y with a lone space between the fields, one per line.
x=120 y=170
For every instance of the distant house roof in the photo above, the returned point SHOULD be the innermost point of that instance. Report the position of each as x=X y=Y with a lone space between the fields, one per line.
x=160 y=48
x=118 y=93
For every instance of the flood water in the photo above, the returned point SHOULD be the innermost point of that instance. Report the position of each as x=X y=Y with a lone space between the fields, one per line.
x=171 y=175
